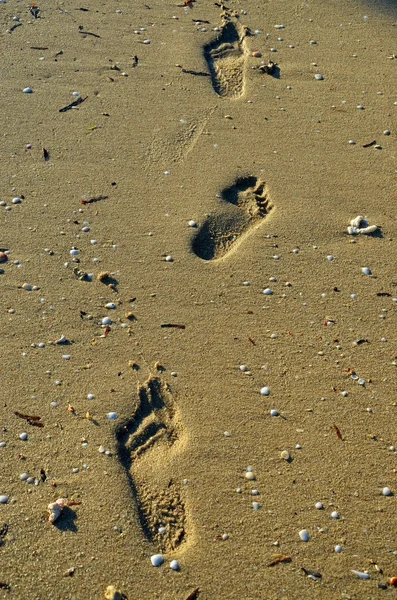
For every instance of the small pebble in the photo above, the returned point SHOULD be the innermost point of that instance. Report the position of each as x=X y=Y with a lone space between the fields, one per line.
x=249 y=475
x=23 y=476
x=110 y=305
x=27 y=90
x=330 y=258
x=318 y=77
x=174 y=565
x=74 y=252
x=112 y=416
x=268 y=292
x=243 y=368
x=256 y=505
x=387 y=491
x=3 y=499
x=319 y=505
x=169 y=258
x=285 y=455
x=192 y=223
x=304 y=535
x=157 y=560
x=106 y=321
x=366 y=271
x=23 y=436
x=265 y=391
x=335 y=515
x=338 y=549
x=90 y=396
x=274 y=413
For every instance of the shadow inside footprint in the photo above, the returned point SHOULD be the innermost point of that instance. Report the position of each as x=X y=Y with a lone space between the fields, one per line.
x=225 y=57
x=246 y=203
x=161 y=509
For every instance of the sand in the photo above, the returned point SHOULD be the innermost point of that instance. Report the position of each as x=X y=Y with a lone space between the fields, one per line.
x=263 y=164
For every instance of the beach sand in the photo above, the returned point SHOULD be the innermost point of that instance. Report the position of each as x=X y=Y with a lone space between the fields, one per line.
x=262 y=164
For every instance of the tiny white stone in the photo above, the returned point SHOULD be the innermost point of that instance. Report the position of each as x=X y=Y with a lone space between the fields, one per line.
x=352 y=142
x=387 y=491
x=110 y=305
x=353 y=296
x=85 y=229
x=106 y=321
x=112 y=416
x=192 y=223
x=366 y=271
x=23 y=436
x=101 y=450
x=146 y=41
x=274 y=412
x=298 y=447
x=27 y=90
x=16 y=200
x=319 y=505
x=169 y=258
x=335 y=515
x=23 y=476
x=318 y=77
x=360 y=107
x=243 y=368
x=246 y=283
x=90 y=396
x=338 y=549
x=174 y=564
x=254 y=492
x=3 y=444
x=3 y=499
x=330 y=258
x=227 y=434
x=265 y=391
x=268 y=292
x=304 y=535
x=157 y=560
x=249 y=475
x=74 y=252
x=162 y=530
x=361 y=381
x=256 y=505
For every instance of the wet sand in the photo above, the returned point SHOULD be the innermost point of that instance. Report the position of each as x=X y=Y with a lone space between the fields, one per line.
x=262 y=164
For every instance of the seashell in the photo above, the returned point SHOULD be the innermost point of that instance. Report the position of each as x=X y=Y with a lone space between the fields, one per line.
x=3 y=499
x=157 y=560
x=265 y=391
x=55 y=509
x=387 y=492
x=361 y=575
x=285 y=455
x=366 y=271
x=304 y=535
x=174 y=565
x=367 y=230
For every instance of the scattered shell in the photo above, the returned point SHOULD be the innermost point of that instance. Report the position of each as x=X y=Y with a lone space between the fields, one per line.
x=169 y=258
x=111 y=593
x=361 y=575
x=3 y=499
x=174 y=564
x=27 y=90
x=106 y=321
x=387 y=491
x=319 y=505
x=268 y=292
x=157 y=560
x=304 y=535
x=338 y=549
x=285 y=455
x=23 y=436
x=249 y=475
x=55 y=509
x=112 y=416
x=318 y=77
x=256 y=505
x=192 y=223
x=265 y=391
x=366 y=271
x=335 y=515
x=274 y=413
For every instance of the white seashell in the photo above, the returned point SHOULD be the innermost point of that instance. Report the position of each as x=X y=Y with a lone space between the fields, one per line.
x=106 y=321
x=338 y=549
x=55 y=509
x=256 y=505
x=387 y=491
x=265 y=391
x=112 y=416
x=27 y=90
x=367 y=230
x=174 y=564
x=110 y=305
x=249 y=475
x=285 y=455
x=335 y=515
x=304 y=535
x=356 y=222
x=157 y=560
x=319 y=505
x=3 y=499
x=366 y=271
x=268 y=292
x=361 y=575
x=318 y=77
x=274 y=413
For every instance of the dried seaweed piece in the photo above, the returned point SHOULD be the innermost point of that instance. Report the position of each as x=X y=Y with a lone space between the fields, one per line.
x=95 y=199
x=279 y=558
x=79 y=100
x=31 y=419
x=338 y=432
x=194 y=594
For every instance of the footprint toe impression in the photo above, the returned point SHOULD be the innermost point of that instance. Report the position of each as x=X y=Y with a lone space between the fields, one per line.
x=245 y=204
x=154 y=428
x=226 y=57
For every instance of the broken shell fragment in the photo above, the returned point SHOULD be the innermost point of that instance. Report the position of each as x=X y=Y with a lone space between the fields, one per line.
x=55 y=509
x=361 y=575
x=111 y=593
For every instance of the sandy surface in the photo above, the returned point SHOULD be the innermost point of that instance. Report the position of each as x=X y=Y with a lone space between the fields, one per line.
x=264 y=166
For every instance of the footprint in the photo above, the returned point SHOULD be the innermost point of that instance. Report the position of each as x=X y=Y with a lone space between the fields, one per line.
x=247 y=204
x=147 y=444
x=226 y=57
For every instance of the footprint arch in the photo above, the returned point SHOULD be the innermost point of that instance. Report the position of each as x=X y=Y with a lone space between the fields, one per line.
x=148 y=444
x=244 y=206
x=226 y=57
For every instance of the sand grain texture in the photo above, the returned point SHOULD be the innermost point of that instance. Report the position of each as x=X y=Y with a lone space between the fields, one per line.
x=264 y=166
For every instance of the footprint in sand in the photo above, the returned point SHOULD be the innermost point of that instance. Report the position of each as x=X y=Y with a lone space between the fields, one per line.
x=245 y=204
x=147 y=445
x=226 y=57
